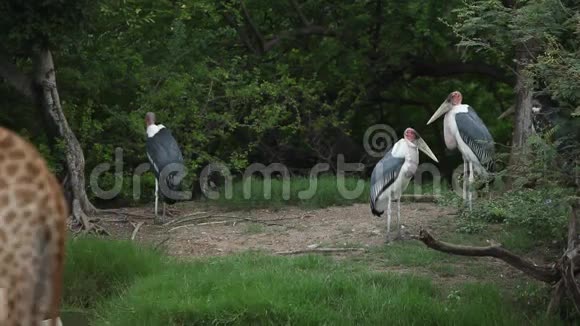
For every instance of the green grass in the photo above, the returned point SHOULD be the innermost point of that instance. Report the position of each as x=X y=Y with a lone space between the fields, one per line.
x=95 y=269
x=327 y=193
x=126 y=285
x=410 y=254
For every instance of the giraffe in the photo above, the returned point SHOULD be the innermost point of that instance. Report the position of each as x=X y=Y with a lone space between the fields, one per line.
x=33 y=217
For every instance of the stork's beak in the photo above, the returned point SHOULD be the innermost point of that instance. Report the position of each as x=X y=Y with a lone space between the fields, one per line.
x=443 y=108
x=425 y=149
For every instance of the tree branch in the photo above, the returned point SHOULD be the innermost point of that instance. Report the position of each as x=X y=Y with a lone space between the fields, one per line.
x=241 y=33
x=252 y=25
x=299 y=12
x=302 y=31
x=446 y=69
x=15 y=78
x=542 y=273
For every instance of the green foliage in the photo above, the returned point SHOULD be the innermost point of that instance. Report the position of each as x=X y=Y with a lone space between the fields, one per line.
x=303 y=101
x=546 y=29
x=469 y=226
x=543 y=213
x=138 y=287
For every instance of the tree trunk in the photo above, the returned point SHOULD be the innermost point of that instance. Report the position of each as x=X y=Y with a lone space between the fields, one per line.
x=523 y=108
x=523 y=113
x=49 y=99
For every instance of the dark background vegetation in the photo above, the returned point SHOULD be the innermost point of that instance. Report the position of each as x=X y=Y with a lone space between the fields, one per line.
x=294 y=82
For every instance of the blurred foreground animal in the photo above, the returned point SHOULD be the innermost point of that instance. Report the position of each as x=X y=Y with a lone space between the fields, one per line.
x=33 y=215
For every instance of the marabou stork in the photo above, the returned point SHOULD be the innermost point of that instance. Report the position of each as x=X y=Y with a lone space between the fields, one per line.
x=392 y=173
x=463 y=129
x=165 y=156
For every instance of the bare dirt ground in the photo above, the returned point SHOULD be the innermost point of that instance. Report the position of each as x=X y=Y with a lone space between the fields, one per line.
x=214 y=232
x=196 y=230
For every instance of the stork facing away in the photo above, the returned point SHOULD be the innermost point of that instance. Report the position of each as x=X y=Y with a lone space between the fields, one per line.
x=167 y=161
x=463 y=129
x=392 y=174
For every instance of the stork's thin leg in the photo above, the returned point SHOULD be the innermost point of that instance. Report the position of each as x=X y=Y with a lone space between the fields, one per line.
x=487 y=188
x=389 y=219
x=156 y=195
x=160 y=219
x=399 y=218
x=464 y=179
x=471 y=179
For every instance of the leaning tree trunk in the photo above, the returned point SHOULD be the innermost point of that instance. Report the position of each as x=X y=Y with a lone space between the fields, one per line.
x=41 y=89
x=49 y=99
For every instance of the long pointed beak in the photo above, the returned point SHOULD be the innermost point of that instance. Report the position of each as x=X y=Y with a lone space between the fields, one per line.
x=425 y=149
x=444 y=107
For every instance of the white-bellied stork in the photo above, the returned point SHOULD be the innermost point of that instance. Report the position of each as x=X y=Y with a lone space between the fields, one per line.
x=167 y=161
x=463 y=129
x=393 y=172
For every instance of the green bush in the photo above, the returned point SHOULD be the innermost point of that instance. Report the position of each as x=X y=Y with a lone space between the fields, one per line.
x=542 y=212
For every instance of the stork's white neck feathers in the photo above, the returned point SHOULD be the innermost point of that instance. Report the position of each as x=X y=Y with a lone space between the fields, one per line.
x=403 y=148
x=460 y=108
x=153 y=129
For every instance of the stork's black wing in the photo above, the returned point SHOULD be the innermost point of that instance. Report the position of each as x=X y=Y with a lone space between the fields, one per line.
x=476 y=135
x=165 y=156
x=384 y=174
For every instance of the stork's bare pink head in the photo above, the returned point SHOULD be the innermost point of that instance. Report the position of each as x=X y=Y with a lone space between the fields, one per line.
x=410 y=134
x=455 y=98
x=149 y=118
x=413 y=137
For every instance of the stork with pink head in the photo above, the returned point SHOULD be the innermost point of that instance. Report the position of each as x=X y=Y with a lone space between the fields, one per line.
x=464 y=130
x=392 y=174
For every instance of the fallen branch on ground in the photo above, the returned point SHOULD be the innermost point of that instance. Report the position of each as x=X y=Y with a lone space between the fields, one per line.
x=198 y=224
x=542 y=273
x=420 y=198
x=161 y=243
x=187 y=218
x=121 y=212
x=247 y=219
x=562 y=274
x=137 y=227
x=319 y=250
